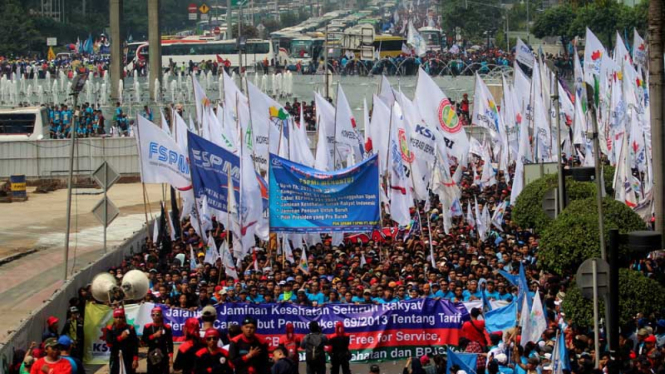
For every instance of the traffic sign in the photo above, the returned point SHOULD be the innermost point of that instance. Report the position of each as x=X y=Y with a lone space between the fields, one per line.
x=217 y=30
x=585 y=273
x=105 y=176
x=192 y=8
x=193 y=16
x=51 y=42
x=204 y=9
x=111 y=211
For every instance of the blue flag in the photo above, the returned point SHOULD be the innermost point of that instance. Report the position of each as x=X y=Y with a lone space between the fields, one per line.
x=466 y=361
x=563 y=361
x=501 y=319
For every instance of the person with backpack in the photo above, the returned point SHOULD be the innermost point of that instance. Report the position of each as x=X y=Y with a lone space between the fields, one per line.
x=314 y=345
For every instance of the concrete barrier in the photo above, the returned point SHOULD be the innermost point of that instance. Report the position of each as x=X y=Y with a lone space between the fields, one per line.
x=34 y=325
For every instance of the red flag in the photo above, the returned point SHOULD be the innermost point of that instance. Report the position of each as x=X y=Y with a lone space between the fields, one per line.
x=220 y=59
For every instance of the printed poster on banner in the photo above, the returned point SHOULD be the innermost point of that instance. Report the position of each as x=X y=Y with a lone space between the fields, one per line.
x=377 y=332
x=303 y=199
x=99 y=316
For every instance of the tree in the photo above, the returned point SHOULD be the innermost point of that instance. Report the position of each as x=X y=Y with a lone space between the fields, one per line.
x=473 y=17
x=573 y=236
x=554 y=21
x=637 y=294
x=17 y=35
x=528 y=211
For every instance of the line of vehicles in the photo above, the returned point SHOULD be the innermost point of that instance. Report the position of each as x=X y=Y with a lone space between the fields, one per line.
x=348 y=32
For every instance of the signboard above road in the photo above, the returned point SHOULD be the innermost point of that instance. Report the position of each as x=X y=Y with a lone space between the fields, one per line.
x=204 y=9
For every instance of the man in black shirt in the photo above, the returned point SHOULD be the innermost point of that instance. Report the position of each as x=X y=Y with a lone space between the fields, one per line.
x=339 y=354
x=248 y=352
x=158 y=336
x=122 y=337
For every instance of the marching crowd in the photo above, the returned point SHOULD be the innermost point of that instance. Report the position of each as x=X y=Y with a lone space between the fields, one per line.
x=386 y=266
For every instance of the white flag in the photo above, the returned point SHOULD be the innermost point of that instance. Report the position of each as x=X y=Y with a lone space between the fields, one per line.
x=325 y=146
x=415 y=40
x=421 y=146
x=639 y=50
x=439 y=113
x=469 y=216
x=212 y=254
x=165 y=126
x=227 y=260
x=162 y=160
x=155 y=232
x=400 y=187
x=593 y=56
x=347 y=139
x=524 y=320
x=524 y=54
x=379 y=129
x=288 y=251
x=537 y=321
x=363 y=262
x=386 y=93
x=201 y=100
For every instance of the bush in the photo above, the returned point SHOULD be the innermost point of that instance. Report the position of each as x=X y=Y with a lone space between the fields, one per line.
x=573 y=236
x=633 y=290
x=608 y=178
x=528 y=210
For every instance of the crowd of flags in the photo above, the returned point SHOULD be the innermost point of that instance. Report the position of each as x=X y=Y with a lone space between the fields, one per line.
x=418 y=142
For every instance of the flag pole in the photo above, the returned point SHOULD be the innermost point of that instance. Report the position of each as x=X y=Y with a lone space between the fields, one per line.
x=145 y=209
x=335 y=136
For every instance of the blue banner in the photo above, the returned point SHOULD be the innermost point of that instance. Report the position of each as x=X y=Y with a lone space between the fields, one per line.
x=303 y=199
x=210 y=167
x=376 y=332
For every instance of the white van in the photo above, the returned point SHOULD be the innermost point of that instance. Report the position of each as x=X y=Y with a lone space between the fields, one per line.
x=20 y=124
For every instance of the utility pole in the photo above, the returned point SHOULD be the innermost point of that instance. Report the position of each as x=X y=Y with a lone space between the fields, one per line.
x=155 y=47
x=656 y=92
x=117 y=58
x=228 y=19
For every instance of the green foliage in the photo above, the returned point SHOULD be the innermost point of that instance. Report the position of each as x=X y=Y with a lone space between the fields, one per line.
x=573 y=236
x=528 y=211
x=608 y=178
x=604 y=18
x=474 y=18
x=633 y=290
x=554 y=21
x=18 y=35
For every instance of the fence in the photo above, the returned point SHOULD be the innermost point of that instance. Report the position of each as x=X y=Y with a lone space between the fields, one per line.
x=50 y=158
x=32 y=328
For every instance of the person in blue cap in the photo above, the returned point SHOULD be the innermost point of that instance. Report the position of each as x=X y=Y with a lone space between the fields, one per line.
x=65 y=343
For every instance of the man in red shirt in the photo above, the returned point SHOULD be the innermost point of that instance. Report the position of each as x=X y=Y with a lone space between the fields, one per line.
x=52 y=363
x=474 y=330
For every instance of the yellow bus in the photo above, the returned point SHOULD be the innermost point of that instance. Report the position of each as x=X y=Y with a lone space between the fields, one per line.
x=388 y=45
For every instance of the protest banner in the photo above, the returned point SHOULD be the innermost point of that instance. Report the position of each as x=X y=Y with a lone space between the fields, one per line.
x=99 y=316
x=377 y=332
x=303 y=199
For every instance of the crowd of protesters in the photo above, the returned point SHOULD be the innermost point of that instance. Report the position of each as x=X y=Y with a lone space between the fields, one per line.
x=386 y=266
